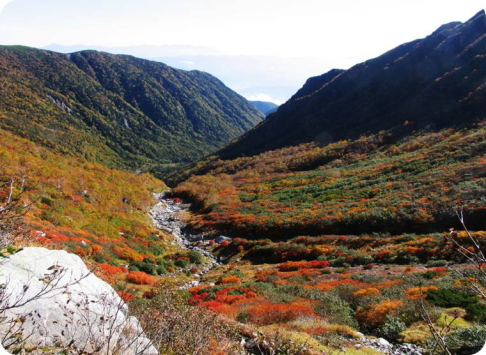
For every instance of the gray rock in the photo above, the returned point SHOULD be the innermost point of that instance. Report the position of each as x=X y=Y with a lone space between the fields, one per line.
x=383 y=342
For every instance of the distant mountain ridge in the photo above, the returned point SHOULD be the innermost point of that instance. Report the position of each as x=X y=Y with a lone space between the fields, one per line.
x=118 y=110
x=265 y=107
x=432 y=82
x=251 y=76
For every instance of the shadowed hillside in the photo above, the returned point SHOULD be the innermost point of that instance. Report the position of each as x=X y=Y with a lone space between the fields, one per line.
x=430 y=83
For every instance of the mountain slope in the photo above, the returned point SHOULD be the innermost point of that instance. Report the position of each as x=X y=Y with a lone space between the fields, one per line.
x=387 y=146
x=348 y=187
x=118 y=110
x=434 y=82
x=265 y=107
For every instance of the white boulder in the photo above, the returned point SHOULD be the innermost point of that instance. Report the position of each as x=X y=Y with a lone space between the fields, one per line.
x=49 y=299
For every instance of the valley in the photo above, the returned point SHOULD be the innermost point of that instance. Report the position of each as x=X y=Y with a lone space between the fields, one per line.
x=349 y=220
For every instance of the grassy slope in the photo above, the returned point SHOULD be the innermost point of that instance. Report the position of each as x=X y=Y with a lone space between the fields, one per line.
x=348 y=187
x=75 y=200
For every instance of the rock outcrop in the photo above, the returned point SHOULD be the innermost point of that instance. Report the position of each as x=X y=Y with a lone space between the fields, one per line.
x=50 y=300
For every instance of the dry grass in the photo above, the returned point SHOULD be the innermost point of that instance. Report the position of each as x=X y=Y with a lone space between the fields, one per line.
x=417 y=333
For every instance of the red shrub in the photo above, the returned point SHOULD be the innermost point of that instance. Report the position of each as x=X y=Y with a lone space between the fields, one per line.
x=224 y=243
x=197 y=298
x=80 y=251
x=127 y=297
x=297 y=265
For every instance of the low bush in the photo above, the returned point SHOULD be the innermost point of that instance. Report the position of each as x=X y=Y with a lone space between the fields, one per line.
x=266 y=314
x=140 y=278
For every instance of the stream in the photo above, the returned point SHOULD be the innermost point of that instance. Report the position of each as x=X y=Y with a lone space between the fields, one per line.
x=165 y=215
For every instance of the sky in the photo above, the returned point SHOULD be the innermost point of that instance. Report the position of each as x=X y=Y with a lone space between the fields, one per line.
x=341 y=33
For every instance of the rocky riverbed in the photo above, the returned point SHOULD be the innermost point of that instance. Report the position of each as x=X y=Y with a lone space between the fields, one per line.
x=166 y=216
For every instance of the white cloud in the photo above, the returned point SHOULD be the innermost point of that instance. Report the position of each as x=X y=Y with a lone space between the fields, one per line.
x=187 y=62
x=263 y=97
x=333 y=30
x=4 y=3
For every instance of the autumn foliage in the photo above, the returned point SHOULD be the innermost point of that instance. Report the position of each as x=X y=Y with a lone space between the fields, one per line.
x=416 y=293
x=230 y=280
x=374 y=316
x=361 y=186
x=297 y=265
x=140 y=278
x=265 y=314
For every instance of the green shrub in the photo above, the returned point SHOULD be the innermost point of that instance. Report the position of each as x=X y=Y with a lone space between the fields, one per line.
x=391 y=328
x=454 y=298
x=468 y=340
x=161 y=270
x=195 y=257
x=182 y=263
x=451 y=298
x=148 y=268
x=435 y=263
x=335 y=310
x=242 y=317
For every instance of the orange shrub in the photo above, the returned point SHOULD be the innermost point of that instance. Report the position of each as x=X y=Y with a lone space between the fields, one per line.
x=219 y=307
x=416 y=293
x=80 y=251
x=96 y=248
x=127 y=254
x=230 y=280
x=262 y=275
x=374 y=316
x=140 y=278
x=388 y=283
x=370 y=291
x=329 y=285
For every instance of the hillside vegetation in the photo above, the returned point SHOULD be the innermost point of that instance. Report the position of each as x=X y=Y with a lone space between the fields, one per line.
x=98 y=213
x=117 y=110
x=350 y=187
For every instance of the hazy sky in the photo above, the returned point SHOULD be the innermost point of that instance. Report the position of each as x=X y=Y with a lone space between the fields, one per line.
x=342 y=31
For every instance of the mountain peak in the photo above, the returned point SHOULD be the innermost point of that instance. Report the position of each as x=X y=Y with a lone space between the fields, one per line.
x=434 y=82
x=480 y=14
